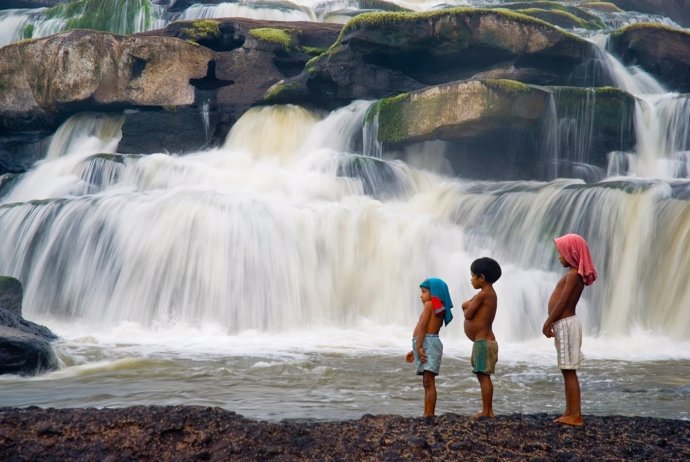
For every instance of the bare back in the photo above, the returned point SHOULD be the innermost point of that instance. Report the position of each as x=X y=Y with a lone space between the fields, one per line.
x=480 y=312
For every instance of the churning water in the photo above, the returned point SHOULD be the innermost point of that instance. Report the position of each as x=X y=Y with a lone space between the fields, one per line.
x=278 y=276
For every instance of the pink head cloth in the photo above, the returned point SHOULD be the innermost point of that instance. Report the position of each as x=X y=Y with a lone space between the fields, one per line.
x=573 y=248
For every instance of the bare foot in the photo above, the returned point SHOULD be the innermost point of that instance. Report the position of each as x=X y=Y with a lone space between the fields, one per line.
x=481 y=414
x=574 y=420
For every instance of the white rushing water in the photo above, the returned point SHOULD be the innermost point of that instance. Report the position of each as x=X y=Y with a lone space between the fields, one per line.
x=278 y=275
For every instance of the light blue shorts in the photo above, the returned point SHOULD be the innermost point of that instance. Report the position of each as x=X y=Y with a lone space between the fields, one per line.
x=433 y=348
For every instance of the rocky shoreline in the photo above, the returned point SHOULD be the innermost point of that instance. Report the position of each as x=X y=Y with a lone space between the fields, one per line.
x=184 y=433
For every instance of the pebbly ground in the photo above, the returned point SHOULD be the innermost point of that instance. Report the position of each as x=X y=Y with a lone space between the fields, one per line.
x=183 y=433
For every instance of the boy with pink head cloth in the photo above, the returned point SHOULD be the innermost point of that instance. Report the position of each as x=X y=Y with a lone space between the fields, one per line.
x=562 y=323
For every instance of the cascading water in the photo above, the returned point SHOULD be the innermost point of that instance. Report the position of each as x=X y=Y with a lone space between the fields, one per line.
x=278 y=275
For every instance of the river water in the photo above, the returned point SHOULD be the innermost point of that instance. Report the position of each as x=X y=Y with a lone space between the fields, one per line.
x=277 y=276
x=261 y=277
x=333 y=374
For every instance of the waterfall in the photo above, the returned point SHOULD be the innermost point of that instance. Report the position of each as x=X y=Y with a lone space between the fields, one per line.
x=272 y=11
x=205 y=118
x=283 y=229
x=120 y=17
x=79 y=137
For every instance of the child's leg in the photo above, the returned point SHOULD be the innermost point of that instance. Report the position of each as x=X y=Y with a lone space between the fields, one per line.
x=429 y=381
x=487 y=388
x=573 y=412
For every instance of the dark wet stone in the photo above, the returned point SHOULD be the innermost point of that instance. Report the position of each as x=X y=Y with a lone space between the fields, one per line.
x=203 y=433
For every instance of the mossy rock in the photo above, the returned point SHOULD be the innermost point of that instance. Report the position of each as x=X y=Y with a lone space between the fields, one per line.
x=380 y=5
x=609 y=110
x=458 y=110
x=563 y=19
x=382 y=54
x=274 y=36
x=201 y=30
x=11 y=294
x=285 y=91
x=661 y=50
x=605 y=7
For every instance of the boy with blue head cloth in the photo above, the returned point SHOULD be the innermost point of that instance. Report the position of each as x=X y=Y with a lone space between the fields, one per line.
x=427 y=348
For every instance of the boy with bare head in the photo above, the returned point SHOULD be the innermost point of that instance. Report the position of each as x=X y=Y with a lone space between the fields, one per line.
x=563 y=325
x=480 y=312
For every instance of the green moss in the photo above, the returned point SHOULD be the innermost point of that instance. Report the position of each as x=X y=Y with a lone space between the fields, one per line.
x=389 y=111
x=378 y=19
x=507 y=86
x=560 y=18
x=313 y=51
x=28 y=31
x=202 y=29
x=8 y=283
x=380 y=5
x=601 y=6
x=611 y=106
x=277 y=91
x=275 y=36
x=649 y=26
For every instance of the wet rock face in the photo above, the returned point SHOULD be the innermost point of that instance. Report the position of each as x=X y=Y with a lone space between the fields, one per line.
x=11 y=295
x=661 y=51
x=493 y=128
x=24 y=346
x=195 y=433
x=78 y=69
x=385 y=54
x=677 y=10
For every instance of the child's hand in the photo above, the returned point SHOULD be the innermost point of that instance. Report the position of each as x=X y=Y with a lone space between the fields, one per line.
x=421 y=354
x=409 y=357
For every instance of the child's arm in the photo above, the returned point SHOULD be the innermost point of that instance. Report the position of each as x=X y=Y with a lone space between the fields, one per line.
x=421 y=329
x=572 y=280
x=471 y=306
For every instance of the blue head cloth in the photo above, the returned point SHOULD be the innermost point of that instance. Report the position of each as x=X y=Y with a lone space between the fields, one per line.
x=440 y=298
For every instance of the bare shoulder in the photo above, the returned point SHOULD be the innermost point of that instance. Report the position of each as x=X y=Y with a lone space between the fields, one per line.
x=572 y=278
x=490 y=297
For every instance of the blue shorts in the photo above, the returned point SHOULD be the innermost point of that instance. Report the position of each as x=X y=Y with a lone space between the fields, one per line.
x=433 y=348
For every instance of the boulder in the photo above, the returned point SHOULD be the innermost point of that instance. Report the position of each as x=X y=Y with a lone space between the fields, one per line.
x=459 y=110
x=662 y=51
x=24 y=345
x=677 y=10
x=382 y=54
x=24 y=354
x=499 y=129
x=562 y=15
x=249 y=57
x=190 y=81
x=47 y=79
x=11 y=295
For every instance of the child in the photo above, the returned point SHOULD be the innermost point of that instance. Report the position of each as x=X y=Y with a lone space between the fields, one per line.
x=427 y=348
x=480 y=312
x=563 y=325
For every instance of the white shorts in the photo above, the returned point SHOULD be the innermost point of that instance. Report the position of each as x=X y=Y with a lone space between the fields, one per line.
x=568 y=340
